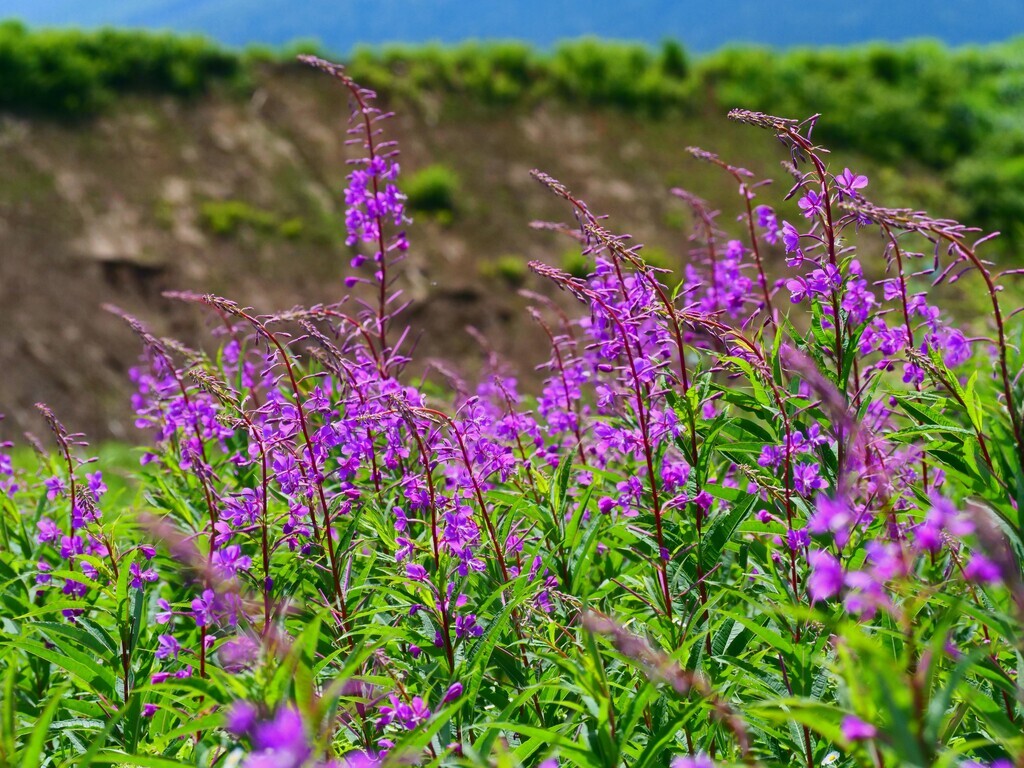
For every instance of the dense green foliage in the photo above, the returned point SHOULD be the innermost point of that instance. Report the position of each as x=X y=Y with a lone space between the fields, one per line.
x=433 y=190
x=226 y=218
x=75 y=74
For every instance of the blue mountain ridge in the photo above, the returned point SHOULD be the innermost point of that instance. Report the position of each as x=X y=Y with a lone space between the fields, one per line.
x=342 y=24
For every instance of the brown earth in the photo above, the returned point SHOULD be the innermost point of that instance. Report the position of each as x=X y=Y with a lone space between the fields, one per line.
x=112 y=211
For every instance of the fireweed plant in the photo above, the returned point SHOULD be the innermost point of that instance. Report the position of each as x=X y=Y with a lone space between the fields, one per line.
x=745 y=522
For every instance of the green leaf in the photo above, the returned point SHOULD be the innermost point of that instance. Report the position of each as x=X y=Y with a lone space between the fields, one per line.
x=96 y=677
x=143 y=761
x=33 y=754
x=722 y=529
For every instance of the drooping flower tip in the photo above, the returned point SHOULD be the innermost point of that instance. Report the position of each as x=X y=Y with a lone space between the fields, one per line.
x=700 y=760
x=826 y=579
x=359 y=759
x=982 y=570
x=453 y=693
x=855 y=729
x=241 y=717
x=168 y=646
x=285 y=734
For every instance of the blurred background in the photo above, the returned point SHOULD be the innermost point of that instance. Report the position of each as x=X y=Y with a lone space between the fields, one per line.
x=148 y=145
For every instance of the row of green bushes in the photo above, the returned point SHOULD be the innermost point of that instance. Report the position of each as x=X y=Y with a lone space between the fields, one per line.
x=588 y=71
x=71 y=73
x=953 y=110
x=957 y=111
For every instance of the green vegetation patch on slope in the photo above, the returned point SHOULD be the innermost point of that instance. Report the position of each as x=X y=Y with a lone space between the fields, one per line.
x=955 y=110
x=68 y=73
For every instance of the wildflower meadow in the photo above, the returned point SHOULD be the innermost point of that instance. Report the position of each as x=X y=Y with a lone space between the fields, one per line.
x=764 y=510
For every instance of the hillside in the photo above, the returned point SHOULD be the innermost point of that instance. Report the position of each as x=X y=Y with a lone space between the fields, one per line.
x=340 y=26
x=236 y=190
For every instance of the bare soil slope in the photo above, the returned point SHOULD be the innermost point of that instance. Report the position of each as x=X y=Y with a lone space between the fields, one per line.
x=124 y=207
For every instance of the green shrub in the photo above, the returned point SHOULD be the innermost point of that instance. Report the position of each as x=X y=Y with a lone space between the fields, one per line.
x=433 y=190
x=673 y=62
x=509 y=268
x=225 y=218
x=659 y=258
x=291 y=229
x=70 y=73
x=577 y=264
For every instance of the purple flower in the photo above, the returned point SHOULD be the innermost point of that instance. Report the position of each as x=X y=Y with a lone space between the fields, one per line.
x=453 y=692
x=913 y=374
x=407 y=715
x=148 y=710
x=982 y=570
x=48 y=531
x=282 y=739
x=790 y=238
x=359 y=759
x=140 y=576
x=238 y=653
x=858 y=301
x=855 y=729
x=823 y=281
x=703 y=502
x=955 y=348
x=942 y=519
x=54 y=487
x=797 y=539
x=700 y=760
x=165 y=614
x=798 y=289
x=243 y=509
x=812 y=204
x=240 y=718
x=865 y=596
x=826 y=579
x=203 y=608
x=465 y=625
x=832 y=516
x=230 y=560
x=771 y=456
x=807 y=477
x=43 y=575
x=416 y=572
x=168 y=647
x=96 y=484
x=675 y=474
x=71 y=546
x=849 y=183
x=767 y=220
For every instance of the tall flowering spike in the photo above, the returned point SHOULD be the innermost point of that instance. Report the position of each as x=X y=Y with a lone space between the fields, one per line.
x=560 y=278
x=710 y=157
x=735 y=283
x=957 y=239
x=64 y=439
x=373 y=200
x=762 y=120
